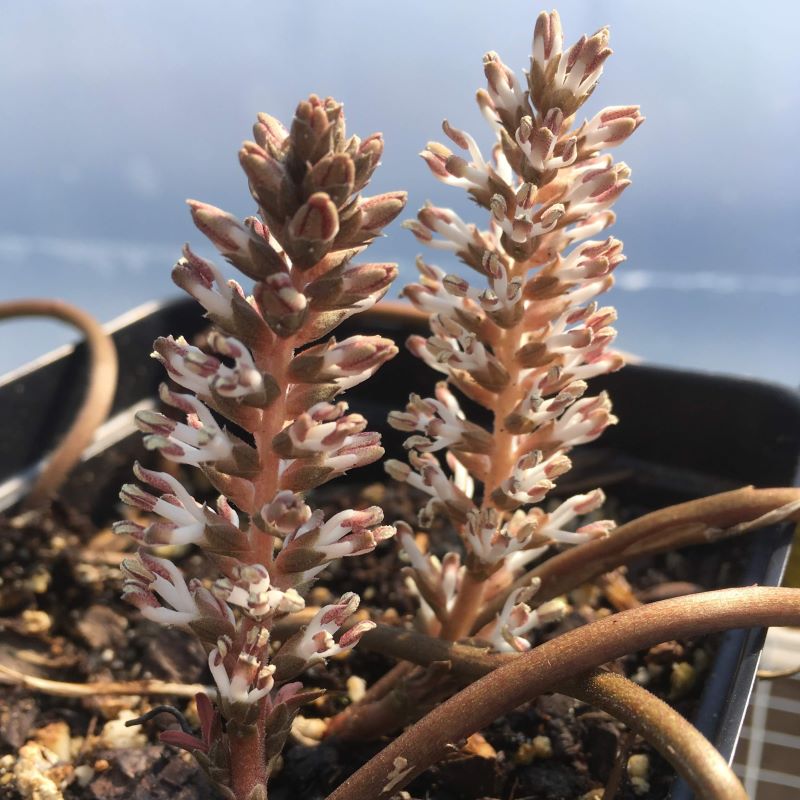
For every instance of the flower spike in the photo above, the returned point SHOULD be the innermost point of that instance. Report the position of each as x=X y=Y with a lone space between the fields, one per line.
x=263 y=368
x=525 y=341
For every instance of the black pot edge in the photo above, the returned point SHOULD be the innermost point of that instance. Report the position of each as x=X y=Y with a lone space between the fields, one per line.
x=723 y=704
x=130 y=317
x=769 y=413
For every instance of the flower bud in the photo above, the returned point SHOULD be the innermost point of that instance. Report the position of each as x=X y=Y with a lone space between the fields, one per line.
x=346 y=363
x=283 y=307
x=612 y=126
x=333 y=175
x=283 y=515
x=312 y=230
x=250 y=588
x=270 y=133
x=266 y=176
x=183 y=519
x=315 y=643
x=379 y=211
x=312 y=132
x=246 y=246
x=366 y=160
x=360 y=285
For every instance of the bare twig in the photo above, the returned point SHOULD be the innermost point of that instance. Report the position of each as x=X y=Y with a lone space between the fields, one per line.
x=106 y=688
x=617 y=773
x=99 y=394
x=575 y=652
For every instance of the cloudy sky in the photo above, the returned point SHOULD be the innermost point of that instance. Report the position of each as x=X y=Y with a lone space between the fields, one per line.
x=118 y=111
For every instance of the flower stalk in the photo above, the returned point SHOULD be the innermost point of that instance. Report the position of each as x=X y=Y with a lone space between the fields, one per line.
x=271 y=369
x=525 y=340
x=522 y=342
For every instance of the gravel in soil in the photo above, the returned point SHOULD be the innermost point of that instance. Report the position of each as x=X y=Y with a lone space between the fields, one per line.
x=61 y=619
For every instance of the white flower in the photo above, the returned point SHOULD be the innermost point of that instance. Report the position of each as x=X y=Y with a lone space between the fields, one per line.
x=316 y=642
x=506 y=632
x=199 y=441
x=184 y=519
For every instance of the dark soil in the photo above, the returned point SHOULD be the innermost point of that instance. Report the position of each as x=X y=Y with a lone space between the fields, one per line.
x=61 y=619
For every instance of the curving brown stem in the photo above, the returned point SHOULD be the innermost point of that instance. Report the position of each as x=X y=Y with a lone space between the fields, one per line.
x=693 y=522
x=666 y=529
x=96 y=403
x=551 y=664
x=679 y=742
x=694 y=758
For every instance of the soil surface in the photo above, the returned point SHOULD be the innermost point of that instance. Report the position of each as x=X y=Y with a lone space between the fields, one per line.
x=61 y=619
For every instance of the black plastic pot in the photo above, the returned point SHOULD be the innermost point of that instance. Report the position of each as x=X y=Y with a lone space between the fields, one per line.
x=682 y=435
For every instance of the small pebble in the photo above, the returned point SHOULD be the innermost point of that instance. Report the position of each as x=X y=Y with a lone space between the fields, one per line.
x=84 y=774
x=681 y=680
x=115 y=734
x=538 y=747
x=356 y=688
x=639 y=773
x=56 y=738
x=35 y=622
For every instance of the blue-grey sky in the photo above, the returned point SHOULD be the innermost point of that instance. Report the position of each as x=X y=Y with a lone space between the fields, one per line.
x=118 y=111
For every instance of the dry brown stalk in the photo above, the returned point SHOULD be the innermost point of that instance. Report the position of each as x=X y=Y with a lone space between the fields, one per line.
x=13 y=677
x=102 y=384
x=574 y=653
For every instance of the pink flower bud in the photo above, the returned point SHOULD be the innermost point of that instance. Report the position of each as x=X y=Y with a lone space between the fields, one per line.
x=198 y=441
x=598 y=529
x=283 y=307
x=547 y=38
x=269 y=132
x=198 y=277
x=610 y=127
x=284 y=514
x=362 y=449
x=334 y=175
x=321 y=430
x=226 y=233
x=366 y=160
x=316 y=220
x=503 y=87
x=435 y=156
x=377 y=212
x=183 y=518
x=397 y=470
x=265 y=174
x=422 y=233
x=346 y=363
x=147 y=579
x=350 y=638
